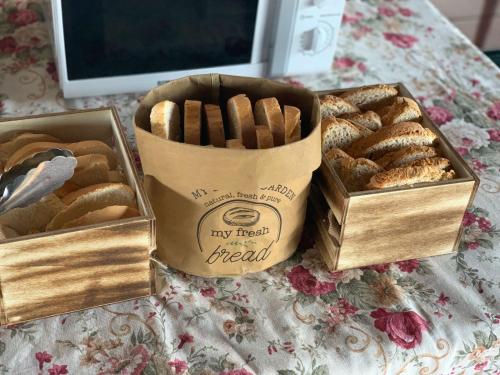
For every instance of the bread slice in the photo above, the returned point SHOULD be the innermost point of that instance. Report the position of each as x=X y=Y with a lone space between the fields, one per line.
x=90 y=170
x=268 y=112
x=356 y=173
x=292 y=124
x=7 y=232
x=234 y=143
x=405 y=155
x=165 y=120
x=340 y=133
x=241 y=120
x=100 y=216
x=402 y=110
x=334 y=106
x=215 y=125
x=264 y=137
x=78 y=149
x=20 y=140
x=334 y=156
x=368 y=119
x=370 y=96
x=192 y=122
x=33 y=218
x=409 y=176
x=393 y=137
x=116 y=176
x=439 y=162
x=67 y=188
x=92 y=198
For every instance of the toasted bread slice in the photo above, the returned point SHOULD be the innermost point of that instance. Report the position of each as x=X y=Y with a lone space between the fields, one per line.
x=409 y=176
x=100 y=216
x=334 y=156
x=356 y=173
x=370 y=96
x=439 y=162
x=393 y=137
x=165 y=120
x=90 y=170
x=402 y=110
x=67 y=188
x=78 y=149
x=235 y=143
x=268 y=112
x=340 y=133
x=215 y=125
x=405 y=155
x=92 y=198
x=192 y=122
x=264 y=137
x=7 y=232
x=33 y=218
x=334 y=106
x=20 y=140
x=292 y=124
x=368 y=119
x=241 y=120
x=116 y=176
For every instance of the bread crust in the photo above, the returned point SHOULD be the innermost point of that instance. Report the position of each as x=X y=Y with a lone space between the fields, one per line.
x=402 y=110
x=268 y=112
x=292 y=124
x=215 y=125
x=368 y=119
x=370 y=96
x=439 y=162
x=335 y=106
x=264 y=137
x=355 y=173
x=398 y=158
x=235 y=144
x=192 y=122
x=241 y=120
x=165 y=120
x=20 y=140
x=408 y=176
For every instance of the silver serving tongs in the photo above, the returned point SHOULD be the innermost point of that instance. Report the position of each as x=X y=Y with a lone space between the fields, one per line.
x=35 y=177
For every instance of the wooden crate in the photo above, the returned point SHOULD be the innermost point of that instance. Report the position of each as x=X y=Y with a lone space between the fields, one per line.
x=72 y=269
x=373 y=227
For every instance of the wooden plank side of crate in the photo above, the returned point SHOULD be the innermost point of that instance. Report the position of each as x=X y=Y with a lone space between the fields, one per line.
x=74 y=270
x=404 y=224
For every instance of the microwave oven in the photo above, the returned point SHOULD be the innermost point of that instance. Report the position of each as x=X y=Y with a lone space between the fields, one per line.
x=107 y=47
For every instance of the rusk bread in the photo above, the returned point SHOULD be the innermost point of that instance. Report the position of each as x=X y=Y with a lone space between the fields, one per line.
x=67 y=188
x=403 y=109
x=215 y=125
x=389 y=138
x=409 y=176
x=334 y=156
x=33 y=218
x=406 y=155
x=165 y=120
x=117 y=176
x=292 y=124
x=439 y=162
x=241 y=120
x=268 y=112
x=356 y=173
x=7 y=232
x=92 y=198
x=78 y=149
x=368 y=119
x=264 y=137
x=90 y=170
x=235 y=143
x=340 y=133
x=20 y=140
x=371 y=96
x=103 y=215
x=334 y=106
x=192 y=122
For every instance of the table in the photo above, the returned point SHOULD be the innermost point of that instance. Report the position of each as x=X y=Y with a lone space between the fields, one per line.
x=430 y=316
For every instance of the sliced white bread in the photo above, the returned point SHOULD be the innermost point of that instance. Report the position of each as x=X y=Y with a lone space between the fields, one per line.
x=102 y=215
x=192 y=122
x=402 y=110
x=34 y=218
x=368 y=119
x=165 y=120
x=334 y=106
x=90 y=170
x=392 y=137
x=20 y=140
x=406 y=155
x=90 y=199
x=408 y=176
x=267 y=111
x=241 y=120
x=356 y=173
x=7 y=232
x=334 y=156
x=264 y=137
x=370 y=96
x=292 y=124
x=78 y=149
x=340 y=133
x=215 y=125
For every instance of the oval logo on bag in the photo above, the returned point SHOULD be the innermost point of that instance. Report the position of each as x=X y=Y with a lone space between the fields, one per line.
x=239 y=231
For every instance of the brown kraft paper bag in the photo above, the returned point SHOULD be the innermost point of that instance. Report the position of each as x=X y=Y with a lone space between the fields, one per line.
x=227 y=212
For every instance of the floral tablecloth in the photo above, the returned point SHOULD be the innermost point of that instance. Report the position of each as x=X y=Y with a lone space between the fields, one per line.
x=430 y=316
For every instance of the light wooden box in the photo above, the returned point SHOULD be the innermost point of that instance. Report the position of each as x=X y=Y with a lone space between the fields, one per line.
x=73 y=269
x=382 y=226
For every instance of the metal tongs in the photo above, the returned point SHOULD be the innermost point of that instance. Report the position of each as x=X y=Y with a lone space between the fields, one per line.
x=35 y=177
